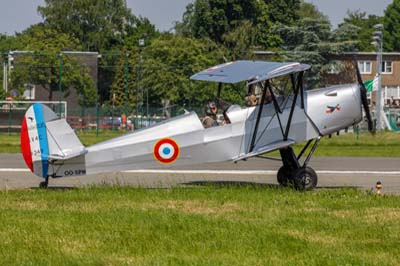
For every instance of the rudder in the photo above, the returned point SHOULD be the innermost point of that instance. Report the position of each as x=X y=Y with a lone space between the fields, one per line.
x=45 y=139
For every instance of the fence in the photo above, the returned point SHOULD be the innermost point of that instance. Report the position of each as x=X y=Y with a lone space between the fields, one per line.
x=12 y=113
x=107 y=91
x=94 y=118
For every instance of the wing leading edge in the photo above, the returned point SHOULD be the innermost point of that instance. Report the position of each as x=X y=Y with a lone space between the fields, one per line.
x=267 y=148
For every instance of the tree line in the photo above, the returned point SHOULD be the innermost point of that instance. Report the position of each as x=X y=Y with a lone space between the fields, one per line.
x=210 y=32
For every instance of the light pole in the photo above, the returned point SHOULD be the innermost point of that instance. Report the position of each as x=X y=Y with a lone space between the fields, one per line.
x=126 y=88
x=141 y=43
x=60 y=60
x=378 y=43
x=5 y=74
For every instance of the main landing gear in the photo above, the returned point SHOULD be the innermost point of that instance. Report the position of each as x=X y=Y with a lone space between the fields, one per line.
x=301 y=177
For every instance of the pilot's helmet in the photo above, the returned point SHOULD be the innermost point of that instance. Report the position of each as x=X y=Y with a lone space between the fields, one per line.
x=210 y=106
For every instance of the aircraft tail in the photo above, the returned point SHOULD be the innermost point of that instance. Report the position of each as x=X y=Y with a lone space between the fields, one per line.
x=46 y=139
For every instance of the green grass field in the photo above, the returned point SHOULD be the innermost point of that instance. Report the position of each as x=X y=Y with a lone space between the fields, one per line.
x=211 y=225
x=385 y=144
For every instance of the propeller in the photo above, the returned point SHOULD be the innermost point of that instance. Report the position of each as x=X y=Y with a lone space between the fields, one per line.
x=364 y=99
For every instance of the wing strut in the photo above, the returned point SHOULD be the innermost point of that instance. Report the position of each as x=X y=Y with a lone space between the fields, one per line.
x=276 y=105
x=218 y=94
x=296 y=93
x=260 y=109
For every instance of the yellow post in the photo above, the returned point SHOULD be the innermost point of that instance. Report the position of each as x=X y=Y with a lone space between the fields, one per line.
x=378 y=188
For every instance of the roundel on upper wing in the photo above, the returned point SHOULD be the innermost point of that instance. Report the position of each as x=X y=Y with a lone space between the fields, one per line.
x=166 y=151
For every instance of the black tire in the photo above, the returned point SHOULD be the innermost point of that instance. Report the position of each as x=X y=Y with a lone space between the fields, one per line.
x=283 y=176
x=43 y=185
x=305 y=178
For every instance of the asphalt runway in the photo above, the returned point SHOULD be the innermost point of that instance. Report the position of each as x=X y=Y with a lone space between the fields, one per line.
x=333 y=172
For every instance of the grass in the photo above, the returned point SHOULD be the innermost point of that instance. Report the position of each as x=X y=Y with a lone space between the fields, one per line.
x=385 y=144
x=89 y=138
x=226 y=225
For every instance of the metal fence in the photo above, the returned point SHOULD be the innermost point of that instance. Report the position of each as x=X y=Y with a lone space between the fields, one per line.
x=97 y=118
x=124 y=98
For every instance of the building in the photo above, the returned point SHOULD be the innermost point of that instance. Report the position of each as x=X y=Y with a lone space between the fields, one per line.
x=390 y=68
x=342 y=71
x=37 y=93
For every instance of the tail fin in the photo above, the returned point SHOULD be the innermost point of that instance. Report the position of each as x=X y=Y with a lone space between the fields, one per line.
x=45 y=139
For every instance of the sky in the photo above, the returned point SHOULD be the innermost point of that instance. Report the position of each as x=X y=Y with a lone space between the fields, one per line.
x=17 y=15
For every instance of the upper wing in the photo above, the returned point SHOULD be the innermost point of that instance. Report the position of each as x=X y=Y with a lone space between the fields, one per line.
x=255 y=71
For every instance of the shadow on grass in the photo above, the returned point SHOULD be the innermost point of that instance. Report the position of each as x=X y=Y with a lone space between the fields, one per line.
x=55 y=188
x=254 y=185
x=224 y=184
x=339 y=187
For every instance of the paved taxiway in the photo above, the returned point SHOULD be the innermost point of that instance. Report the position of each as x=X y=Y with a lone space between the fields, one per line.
x=333 y=172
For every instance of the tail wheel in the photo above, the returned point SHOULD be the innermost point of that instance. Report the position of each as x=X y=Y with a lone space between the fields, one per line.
x=305 y=178
x=44 y=184
x=283 y=176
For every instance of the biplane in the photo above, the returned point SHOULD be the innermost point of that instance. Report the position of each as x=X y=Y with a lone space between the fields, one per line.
x=52 y=150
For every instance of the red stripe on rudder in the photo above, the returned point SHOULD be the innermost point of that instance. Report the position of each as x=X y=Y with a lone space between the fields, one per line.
x=25 y=145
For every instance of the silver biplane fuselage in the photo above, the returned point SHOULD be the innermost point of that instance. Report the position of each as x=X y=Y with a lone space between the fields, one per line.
x=183 y=140
x=230 y=141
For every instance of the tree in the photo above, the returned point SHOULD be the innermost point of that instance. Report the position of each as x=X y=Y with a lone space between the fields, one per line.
x=144 y=30
x=391 y=35
x=309 y=10
x=313 y=42
x=283 y=11
x=365 y=28
x=218 y=19
x=99 y=24
x=127 y=67
x=212 y=19
x=163 y=68
x=238 y=42
x=40 y=65
x=111 y=59
x=186 y=27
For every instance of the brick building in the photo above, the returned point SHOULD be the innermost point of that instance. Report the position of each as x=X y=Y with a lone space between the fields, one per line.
x=37 y=93
x=390 y=68
x=342 y=71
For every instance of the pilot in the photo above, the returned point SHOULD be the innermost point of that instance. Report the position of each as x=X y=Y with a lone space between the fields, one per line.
x=254 y=95
x=268 y=97
x=251 y=100
x=210 y=120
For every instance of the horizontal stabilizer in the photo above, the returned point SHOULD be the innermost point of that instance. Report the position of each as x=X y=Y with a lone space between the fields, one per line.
x=63 y=142
x=264 y=149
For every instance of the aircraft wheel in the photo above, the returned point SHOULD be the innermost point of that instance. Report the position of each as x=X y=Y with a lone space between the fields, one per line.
x=305 y=178
x=43 y=185
x=283 y=176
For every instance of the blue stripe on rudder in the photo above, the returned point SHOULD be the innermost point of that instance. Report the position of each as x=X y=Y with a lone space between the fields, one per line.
x=42 y=134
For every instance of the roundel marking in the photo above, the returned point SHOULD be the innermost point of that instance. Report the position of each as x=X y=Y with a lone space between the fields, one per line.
x=166 y=151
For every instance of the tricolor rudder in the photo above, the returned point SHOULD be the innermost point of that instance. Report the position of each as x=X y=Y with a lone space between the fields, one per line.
x=34 y=141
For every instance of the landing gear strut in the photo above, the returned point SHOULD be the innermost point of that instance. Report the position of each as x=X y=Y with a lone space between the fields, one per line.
x=301 y=177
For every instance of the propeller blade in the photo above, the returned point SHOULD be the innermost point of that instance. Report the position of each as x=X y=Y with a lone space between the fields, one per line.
x=364 y=99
